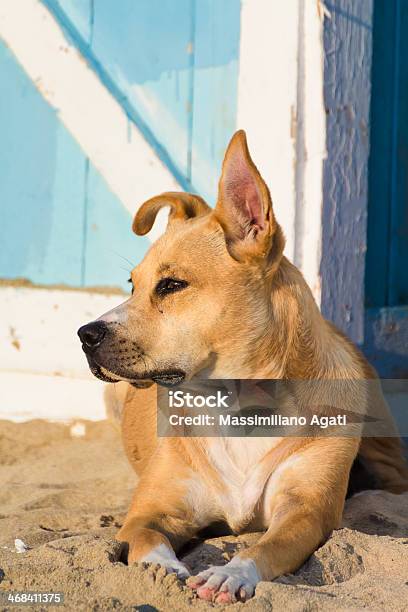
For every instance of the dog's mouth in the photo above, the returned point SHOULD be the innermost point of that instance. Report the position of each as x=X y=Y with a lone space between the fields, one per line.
x=168 y=378
x=165 y=378
x=103 y=374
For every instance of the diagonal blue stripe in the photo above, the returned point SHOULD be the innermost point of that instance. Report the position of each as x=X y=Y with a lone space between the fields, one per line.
x=86 y=51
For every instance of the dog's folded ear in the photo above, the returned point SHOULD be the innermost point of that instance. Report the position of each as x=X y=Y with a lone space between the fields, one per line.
x=244 y=206
x=183 y=206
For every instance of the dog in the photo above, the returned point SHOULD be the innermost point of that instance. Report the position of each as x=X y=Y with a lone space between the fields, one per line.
x=215 y=297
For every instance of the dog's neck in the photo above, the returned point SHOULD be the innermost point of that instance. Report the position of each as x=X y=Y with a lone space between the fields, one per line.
x=289 y=342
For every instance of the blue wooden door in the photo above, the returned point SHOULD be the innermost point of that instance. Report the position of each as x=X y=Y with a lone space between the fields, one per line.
x=387 y=254
x=173 y=66
x=387 y=264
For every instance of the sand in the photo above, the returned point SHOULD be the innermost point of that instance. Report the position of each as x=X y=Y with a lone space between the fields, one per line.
x=64 y=496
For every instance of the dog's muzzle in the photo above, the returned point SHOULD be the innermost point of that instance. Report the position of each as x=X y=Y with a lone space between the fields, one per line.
x=96 y=341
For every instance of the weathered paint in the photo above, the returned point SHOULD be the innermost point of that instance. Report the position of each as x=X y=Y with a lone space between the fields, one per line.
x=79 y=12
x=382 y=137
x=214 y=89
x=80 y=222
x=144 y=47
x=99 y=124
x=386 y=341
x=347 y=79
x=60 y=222
x=267 y=98
x=134 y=124
x=173 y=67
x=280 y=104
x=38 y=329
x=111 y=249
x=386 y=321
x=54 y=398
x=42 y=186
x=381 y=333
x=310 y=145
x=387 y=254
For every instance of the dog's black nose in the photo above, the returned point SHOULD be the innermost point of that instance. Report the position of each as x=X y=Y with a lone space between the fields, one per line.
x=92 y=334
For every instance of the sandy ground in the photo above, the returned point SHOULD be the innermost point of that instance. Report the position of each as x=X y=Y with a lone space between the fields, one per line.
x=65 y=496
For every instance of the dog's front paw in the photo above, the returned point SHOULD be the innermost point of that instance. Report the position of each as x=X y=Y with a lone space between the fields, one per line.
x=235 y=581
x=176 y=567
x=163 y=556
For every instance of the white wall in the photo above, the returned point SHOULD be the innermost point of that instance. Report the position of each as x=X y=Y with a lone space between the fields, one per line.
x=280 y=105
x=43 y=370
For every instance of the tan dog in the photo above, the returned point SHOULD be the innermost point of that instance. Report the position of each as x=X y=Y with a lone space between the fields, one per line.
x=215 y=295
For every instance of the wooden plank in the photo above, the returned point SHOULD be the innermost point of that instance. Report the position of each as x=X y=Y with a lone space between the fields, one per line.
x=347 y=74
x=38 y=328
x=382 y=152
x=41 y=188
x=80 y=13
x=216 y=53
x=96 y=89
x=111 y=248
x=54 y=398
x=386 y=341
x=144 y=46
x=268 y=100
x=386 y=328
x=386 y=269
x=398 y=266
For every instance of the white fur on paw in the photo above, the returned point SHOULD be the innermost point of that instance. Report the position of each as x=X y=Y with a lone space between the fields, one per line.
x=227 y=583
x=165 y=557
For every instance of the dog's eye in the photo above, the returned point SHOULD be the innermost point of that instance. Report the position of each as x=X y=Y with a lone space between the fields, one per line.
x=131 y=282
x=170 y=285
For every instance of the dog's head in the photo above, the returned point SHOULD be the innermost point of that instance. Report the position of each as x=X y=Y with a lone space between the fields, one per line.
x=201 y=294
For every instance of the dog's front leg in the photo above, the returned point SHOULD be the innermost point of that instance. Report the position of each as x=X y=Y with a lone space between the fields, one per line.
x=149 y=540
x=302 y=503
x=167 y=510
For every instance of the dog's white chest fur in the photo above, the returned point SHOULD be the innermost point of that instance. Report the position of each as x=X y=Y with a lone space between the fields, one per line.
x=237 y=461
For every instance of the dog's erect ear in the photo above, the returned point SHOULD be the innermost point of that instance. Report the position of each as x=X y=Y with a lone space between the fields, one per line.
x=244 y=207
x=182 y=206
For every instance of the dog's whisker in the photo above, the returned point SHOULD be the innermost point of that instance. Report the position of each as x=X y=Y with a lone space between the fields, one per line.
x=125 y=259
x=125 y=269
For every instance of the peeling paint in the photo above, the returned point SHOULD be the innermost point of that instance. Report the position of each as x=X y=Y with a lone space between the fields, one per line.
x=14 y=339
x=347 y=80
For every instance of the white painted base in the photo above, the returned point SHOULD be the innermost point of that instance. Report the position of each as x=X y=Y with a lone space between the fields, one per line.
x=43 y=370
x=38 y=329
x=55 y=398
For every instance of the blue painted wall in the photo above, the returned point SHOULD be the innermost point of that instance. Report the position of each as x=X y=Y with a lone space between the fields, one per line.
x=216 y=63
x=173 y=66
x=60 y=224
